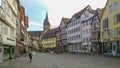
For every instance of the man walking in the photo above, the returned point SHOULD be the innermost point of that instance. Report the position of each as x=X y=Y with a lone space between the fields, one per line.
x=30 y=56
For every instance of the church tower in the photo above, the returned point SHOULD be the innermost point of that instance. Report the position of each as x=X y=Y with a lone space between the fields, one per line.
x=46 y=23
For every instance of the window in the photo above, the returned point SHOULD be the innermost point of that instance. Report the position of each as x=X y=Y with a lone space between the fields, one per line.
x=105 y=23
x=110 y=8
x=86 y=23
x=0 y=26
x=77 y=29
x=6 y=50
x=75 y=47
x=8 y=9
x=86 y=31
x=109 y=34
x=79 y=36
x=119 y=47
x=86 y=15
x=89 y=30
x=117 y=31
x=83 y=24
x=84 y=39
x=12 y=32
x=117 y=18
x=115 y=5
x=5 y=29
x=80 y=48
x=87 y=39
x=83 y=31
x=103 y=35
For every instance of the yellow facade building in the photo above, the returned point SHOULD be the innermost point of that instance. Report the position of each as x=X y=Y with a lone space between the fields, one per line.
x=110 y=28
x=49 y=40
x=49 y=43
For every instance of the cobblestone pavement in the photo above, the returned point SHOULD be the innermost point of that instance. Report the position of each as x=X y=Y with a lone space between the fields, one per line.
x=47 y=60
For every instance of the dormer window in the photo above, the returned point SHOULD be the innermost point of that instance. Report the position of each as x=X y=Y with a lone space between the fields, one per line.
x=86 y=15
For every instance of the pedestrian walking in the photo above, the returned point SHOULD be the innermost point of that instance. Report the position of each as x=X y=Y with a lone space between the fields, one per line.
x=30 y=56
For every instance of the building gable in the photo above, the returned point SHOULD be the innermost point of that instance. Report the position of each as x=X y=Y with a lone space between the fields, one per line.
x=64 y=22
x=87 y=14
x=73 y=18
x=62 y=25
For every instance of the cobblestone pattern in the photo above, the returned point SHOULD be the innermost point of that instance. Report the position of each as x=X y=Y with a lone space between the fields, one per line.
x=47 y=60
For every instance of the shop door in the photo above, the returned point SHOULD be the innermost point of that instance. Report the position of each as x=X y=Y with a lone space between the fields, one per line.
x=11 y=52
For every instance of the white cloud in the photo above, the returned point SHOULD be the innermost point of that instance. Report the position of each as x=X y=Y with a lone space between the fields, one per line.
x=54 y=26
x=66 y=8
x=59 y=8
x=35 y=26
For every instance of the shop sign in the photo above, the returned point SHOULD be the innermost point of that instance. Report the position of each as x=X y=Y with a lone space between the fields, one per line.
x=106 y=39
x=116 y=38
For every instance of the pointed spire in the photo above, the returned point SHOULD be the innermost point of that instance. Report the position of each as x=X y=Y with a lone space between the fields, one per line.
x=47 y=16
x=46 y=19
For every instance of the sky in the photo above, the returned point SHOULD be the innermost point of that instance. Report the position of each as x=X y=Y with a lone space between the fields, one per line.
x=56 y=9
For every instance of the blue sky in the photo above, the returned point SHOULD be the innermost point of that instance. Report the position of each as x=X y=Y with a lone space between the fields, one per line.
x=36 y=10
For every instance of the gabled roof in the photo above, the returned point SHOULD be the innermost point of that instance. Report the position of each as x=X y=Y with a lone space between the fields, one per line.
x=86 y=20
x=65 y=20
x=57 y=29
x=100 y=11
x=34 y=33
x=104 y=8
x=78 y=14
x=50 y=33
x=92 y=11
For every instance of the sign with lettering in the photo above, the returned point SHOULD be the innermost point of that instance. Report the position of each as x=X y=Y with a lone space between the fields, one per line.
x=116 y=38
x=107 y=40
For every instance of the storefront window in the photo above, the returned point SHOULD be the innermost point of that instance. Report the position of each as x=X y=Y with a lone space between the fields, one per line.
x=118 y=47
x=80 y=48
x=6 y=51
x=13 y=50
x=75 y=47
